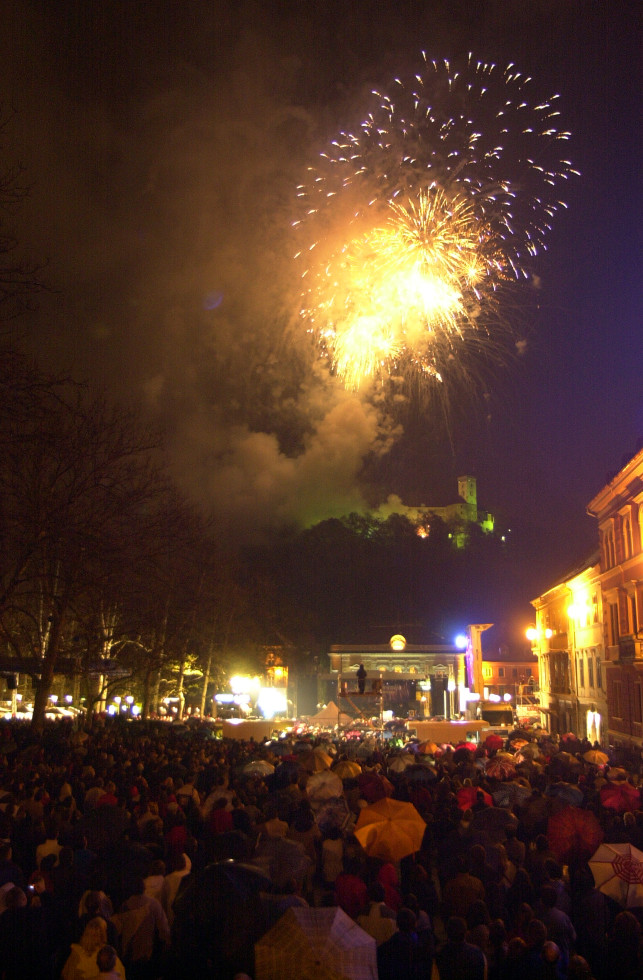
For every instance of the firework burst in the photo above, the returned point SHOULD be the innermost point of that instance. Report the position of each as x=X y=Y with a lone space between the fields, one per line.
x=419 y=224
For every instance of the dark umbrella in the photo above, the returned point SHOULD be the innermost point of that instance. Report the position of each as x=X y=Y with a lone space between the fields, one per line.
x=418 y=774
x=282 y=860
x=104 y=826
x=218 y=918
x=373 y=786
x=574 y=834
x=494 y=821
x=284 y=772
x=463 y=754
x=334 y=813
x=280 y=748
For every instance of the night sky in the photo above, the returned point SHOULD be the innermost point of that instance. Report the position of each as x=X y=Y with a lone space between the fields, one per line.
x=163 y=143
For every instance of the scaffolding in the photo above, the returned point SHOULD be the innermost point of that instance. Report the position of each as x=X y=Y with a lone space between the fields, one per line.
x=362 y=703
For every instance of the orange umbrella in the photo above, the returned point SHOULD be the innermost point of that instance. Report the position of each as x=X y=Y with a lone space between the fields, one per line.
x=427 y=748
x=347 y=770
x=390 y=829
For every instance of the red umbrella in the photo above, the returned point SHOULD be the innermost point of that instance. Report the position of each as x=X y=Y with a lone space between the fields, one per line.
x=373 y=786
x=493 y=742
x=573 y=834
x=467 y=745
x=468 y=795
x=620 y=797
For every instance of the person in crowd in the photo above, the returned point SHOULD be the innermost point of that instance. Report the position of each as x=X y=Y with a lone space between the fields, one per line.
x=461 y=891
x=107 y=963
x=407 y=953
x=458 y=958
x=81 y=963
x=379 y=921
x=144 y=933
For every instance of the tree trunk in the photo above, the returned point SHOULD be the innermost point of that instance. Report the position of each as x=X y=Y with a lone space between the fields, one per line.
x=180 y=694
x=206 y=681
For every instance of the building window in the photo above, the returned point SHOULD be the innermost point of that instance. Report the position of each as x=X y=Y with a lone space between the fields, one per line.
x=590 y=671
x=633 y=617
x=617 y=699
x=599 y=674
x=528 y=672
x=595 y=607
x=636 y=704
x=613 y=623
x=609 y=549
x=581 y=671
x=501 y=671
x=627 y=538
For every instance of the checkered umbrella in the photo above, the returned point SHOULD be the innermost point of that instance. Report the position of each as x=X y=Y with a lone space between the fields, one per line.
x=315 y=944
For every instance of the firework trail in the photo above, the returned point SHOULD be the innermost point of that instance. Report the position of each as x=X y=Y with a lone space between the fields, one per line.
x=417 y=225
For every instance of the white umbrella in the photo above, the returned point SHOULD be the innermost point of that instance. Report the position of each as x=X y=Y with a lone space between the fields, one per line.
x=618 y=873
x=323 y=786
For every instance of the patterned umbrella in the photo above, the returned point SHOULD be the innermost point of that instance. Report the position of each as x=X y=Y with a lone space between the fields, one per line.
x=574 y=834
x=258 y=767
x=511 y=793
x=390 y=829
x=618 y=873
x=315 y=944
x=499 y=768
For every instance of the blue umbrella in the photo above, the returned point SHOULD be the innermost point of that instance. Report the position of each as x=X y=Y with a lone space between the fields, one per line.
x=566 y=792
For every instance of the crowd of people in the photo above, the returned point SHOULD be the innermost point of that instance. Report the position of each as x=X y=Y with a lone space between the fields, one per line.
x=141 y=851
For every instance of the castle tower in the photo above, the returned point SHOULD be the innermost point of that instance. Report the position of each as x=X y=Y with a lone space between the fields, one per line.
x=467 y=489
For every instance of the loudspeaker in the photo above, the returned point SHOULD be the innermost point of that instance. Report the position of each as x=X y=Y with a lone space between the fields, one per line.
x=12 y=682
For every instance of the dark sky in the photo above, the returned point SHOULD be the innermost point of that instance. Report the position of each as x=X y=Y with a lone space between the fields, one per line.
x=163 y=143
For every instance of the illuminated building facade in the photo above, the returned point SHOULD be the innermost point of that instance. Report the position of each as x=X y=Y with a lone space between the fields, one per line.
x=568 y=641
x=618 y=509
x=415 y=680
